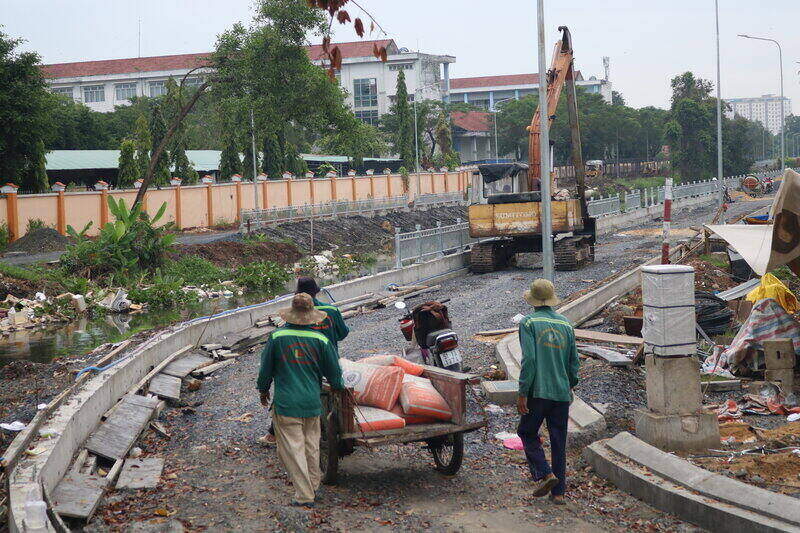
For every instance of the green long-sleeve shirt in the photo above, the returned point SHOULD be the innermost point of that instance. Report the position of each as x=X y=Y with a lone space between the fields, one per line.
x=549 y=357
x=333 y=327
x=297 y=357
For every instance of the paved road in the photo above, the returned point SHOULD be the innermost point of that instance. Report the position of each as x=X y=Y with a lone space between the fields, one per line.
x=226 y=481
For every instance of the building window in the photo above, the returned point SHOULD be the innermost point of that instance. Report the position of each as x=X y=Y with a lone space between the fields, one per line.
x=64 y=91
x=393 y=98
x=480 y=103
x=369 y=117
x=193 y=82
x=125 y=91
x=94 y=93
x=158 y=88
x=365 y=92
x=402 y=66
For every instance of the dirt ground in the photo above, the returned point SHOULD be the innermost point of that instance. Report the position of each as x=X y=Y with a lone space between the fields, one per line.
x=234 y=253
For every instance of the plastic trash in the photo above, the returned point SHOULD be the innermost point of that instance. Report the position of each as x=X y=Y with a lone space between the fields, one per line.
x=41 y=406
x=504 y=435
x=16 y=425
x=40 y=297
x=516 y=319
x=794 y=417
x=494 y=409
x=36 y=516
x=513 y=443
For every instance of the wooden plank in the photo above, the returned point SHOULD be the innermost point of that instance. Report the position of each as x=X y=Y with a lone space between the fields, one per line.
x=413 y=433
x=601 y=336
x=165 y=386
x=157 y=369
x=210 y=369
x=55 y=519
x=612 y=357
x=117 y=434
x=78 y=495
x=140 y=473
x=185 y=365
x=78 y=464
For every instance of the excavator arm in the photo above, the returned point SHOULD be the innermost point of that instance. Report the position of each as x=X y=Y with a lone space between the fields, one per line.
x=561 y=73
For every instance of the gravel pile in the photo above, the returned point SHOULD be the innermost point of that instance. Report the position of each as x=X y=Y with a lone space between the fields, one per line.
x=39 y=241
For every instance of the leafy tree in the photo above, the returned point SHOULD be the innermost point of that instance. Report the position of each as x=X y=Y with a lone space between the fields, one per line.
x=403 y=129
x=357 y=141
x=158 y=129
x=76 y=127
x=34 y=178
x=183 y=168
x=247 y=164
x=293 y=162
x=24 y=107
x=143 y=141
x=229 y=163
x=273 y=163
x=617 y=98
x=128 y=170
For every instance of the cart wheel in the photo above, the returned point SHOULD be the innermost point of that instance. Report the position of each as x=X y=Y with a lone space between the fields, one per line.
x=329 y=448
x=448 y=453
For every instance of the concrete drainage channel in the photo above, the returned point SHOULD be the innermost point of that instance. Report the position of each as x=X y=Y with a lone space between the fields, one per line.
x=41 y=455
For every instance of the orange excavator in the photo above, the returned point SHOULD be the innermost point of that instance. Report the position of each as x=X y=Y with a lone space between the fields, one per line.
x=505 y=198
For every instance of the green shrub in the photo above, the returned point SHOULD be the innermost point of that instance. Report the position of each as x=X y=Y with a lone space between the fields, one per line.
x=255 y=238
x=267 y=276
x=196 y=270
x=19 y=273
x=164 y=291
x=35 y=223
x=4 y=236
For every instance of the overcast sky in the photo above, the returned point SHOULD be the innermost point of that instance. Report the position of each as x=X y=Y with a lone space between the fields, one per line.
x=648 y=41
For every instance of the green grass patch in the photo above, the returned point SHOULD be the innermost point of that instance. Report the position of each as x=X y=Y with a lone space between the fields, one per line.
x=716 y=260
x=196 y=270
x=20 y=273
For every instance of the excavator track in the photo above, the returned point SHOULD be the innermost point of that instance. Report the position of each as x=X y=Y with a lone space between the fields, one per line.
x=572 y=253
x=488 y=257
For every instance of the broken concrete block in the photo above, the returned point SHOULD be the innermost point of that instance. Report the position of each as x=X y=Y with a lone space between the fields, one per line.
x=784 y=377
x=686 y=432
x=779 y=354
x=673 y=385
x=501 y=392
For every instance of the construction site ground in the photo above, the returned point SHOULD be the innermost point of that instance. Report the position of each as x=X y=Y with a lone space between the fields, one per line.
x=217 y=476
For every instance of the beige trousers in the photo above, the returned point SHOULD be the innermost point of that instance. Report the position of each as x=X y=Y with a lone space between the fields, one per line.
x=298 y=450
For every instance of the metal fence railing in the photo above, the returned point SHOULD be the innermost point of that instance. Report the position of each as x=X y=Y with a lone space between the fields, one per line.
x=252 y=219
x=651 y=196
x=422 y=244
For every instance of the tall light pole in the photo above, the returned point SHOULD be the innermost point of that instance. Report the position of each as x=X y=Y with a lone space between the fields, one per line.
x=544 y=150
x=720 y=181
x=255 y=157
x=783 y=119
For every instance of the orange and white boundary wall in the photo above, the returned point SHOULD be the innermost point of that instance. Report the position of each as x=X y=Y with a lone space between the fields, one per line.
x=212 y=204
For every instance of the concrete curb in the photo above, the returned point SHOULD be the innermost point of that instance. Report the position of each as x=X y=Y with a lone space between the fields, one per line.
x=71 y=423
x=674 y=485
x=612 y=223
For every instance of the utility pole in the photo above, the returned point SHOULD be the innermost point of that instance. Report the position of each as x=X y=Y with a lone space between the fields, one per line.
x=720 y=187
x=544 y=149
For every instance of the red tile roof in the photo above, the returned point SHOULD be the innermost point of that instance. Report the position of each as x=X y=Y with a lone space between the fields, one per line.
x=188 y=61
x=124 y=66
x=498 y=81
x=354 y=49
x=471 y=120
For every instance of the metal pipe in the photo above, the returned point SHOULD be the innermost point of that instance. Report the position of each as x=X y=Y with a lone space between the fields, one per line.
x=720 y=185
x=667 y=221
x=544 y=150
x=255 y=173
x=783 y=118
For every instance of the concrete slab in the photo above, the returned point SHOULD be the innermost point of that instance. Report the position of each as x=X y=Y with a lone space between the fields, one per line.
x=675 y=499
x=501 y=392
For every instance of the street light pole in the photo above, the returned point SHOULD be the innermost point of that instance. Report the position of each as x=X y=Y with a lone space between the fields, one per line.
x=720 y=186
x=783 y=119
x=544 y=150
x=253 y=140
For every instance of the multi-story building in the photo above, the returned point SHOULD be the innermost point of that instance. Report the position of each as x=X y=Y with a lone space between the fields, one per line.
x=765 y=109
x=487 y=91
x=370 y=83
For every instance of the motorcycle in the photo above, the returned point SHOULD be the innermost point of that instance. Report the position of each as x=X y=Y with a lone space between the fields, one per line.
x=435 y=345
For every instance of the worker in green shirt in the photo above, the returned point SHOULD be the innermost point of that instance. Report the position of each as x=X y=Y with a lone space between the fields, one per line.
x=549 y=373
x=296 y=358
x=333 y=327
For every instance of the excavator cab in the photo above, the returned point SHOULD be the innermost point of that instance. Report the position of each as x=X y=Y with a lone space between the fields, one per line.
x=501 y=183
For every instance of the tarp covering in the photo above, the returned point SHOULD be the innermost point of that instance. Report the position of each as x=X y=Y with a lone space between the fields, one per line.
x=769 y=246
x=497 y=171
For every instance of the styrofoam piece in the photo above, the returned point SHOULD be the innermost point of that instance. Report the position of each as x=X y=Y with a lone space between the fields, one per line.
x=668 y=326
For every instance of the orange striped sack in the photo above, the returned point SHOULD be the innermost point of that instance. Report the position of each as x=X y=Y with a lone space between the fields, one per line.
x=375 y=386
x=372 y=419
x=412 y=419
x=394 y=360
x=419 y=397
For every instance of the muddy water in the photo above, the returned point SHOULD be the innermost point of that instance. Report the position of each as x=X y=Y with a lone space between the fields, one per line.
x=75 y=339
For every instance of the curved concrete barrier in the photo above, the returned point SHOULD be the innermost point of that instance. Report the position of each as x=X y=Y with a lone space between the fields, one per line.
x=72 y=421
x=674 y=485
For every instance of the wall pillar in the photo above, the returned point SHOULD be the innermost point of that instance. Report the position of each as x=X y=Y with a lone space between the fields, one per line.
x=178 y=213
x=353 y=187
x=103 y=207
x=311 y=190
x=12 y=214
x=289 y=202
x=61 y=214
x=210 y=205
x=333 y=190
x=238 y=201
x=372 y=187
x=389 y=184
x=446 y=185
x=264 y=194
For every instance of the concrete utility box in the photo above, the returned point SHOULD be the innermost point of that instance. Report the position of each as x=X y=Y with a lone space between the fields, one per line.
x=674 y=419
x=779 y=353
